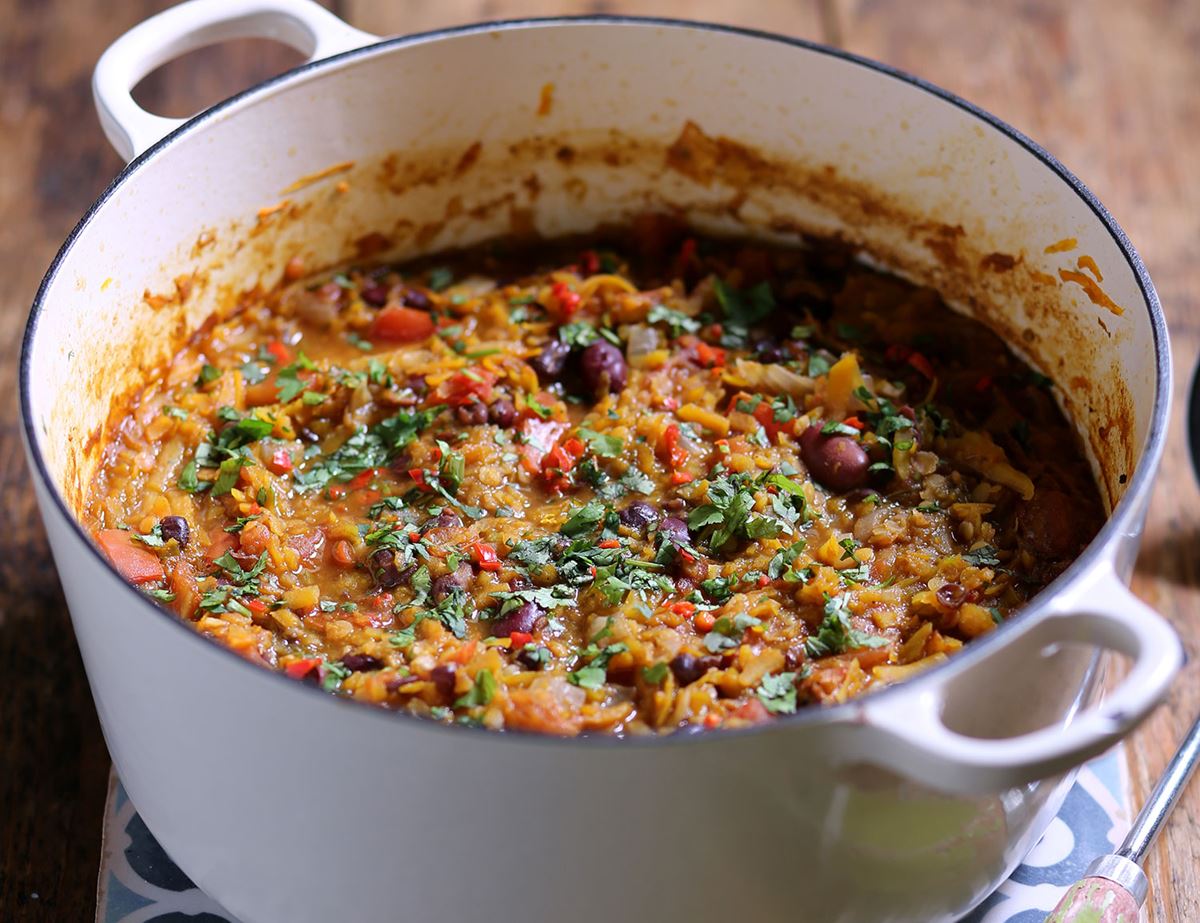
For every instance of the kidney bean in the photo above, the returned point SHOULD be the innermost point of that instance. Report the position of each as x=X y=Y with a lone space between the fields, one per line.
x=415 y=298
x=523 y=618
x=837 y=462
x=446 y=519
x=604 y=367
x=502 y=413
x=446 y=584
x=383 y=568
x=551 y=361
x=174 y=527
x=472 y=414
x=639 y=515
x=375 y=295
x=444 y=676
x=951 y=595
x=675 y=530
x=361 y=663
x=686 y=668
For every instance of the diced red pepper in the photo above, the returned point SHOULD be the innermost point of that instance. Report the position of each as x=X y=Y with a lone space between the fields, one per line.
x=567 y=300
x=670 y=451
x=399 y=324
x=518 y=639
x=763 y=580
x=484 y=555
x=135 y=563
x=363 y=478
x=540 y=436
x=855 y=422
x=590 y=262
x=922 y=365
x=709 y=356
x=336 y=491
x=299 y=669
x=279 y=350
x=610 y=543
x=684 y=608
x=418 y=475
x=256 y=606
x=682 y=477
x=712 y=721
x=281 y=462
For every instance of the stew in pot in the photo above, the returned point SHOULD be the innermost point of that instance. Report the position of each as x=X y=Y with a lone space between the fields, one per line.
x=642 y=483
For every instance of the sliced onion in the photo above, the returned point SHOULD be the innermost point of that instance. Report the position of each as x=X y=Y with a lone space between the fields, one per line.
x=641 y=341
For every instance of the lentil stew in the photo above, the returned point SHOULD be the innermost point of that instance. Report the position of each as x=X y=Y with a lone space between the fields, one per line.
x=640 y=483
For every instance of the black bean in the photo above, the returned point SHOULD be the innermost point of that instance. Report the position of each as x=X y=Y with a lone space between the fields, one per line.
x=447 y=584
x=415 y=298
x=502 y=413
x=639 y=515
x=444 y=676
x=383 y=568
x=549 y=363
x=686 y=668
x=174 y=527
x=768 y=350
x=523 y=618
x=837 y=462
x=674 y=530
x=361 y=663
x=375 y=295
x=472 y=414
x=604 y=367
x=951 y=595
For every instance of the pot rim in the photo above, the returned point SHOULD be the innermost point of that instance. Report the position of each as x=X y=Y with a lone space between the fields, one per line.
x=1123 y=520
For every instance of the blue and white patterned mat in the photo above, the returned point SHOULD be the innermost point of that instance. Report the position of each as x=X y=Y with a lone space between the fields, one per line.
x=140 y=884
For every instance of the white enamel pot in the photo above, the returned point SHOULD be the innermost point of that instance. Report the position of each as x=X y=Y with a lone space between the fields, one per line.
x=289 y=805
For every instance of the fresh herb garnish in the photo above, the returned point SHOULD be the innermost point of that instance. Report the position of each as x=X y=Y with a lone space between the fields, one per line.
x=778 y=693
x=835 y=636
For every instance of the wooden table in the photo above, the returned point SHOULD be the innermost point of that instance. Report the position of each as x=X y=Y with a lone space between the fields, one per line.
x=1110 y=87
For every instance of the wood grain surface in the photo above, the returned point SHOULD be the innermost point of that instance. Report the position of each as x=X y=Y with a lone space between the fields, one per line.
x=1108 y=86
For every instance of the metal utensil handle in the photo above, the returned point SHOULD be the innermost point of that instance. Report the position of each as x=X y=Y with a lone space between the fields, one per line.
x=1149 y=821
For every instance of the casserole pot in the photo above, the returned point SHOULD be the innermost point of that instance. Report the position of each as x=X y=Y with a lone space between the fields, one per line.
x=288 y=804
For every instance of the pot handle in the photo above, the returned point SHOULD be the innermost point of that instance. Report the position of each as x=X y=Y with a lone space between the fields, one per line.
x=1105 y=613
x=303 y=24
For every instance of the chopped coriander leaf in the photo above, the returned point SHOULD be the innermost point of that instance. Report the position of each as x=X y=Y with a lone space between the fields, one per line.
x=727 y=632
x=601 y=443
x=983 y=556
x=358 y=342
x=744 y=307
x=679 y=322
x=176 y=413
x=208 y=373
x=188 y=480
x=778 y=693
x=577 y=334
x=583 y=519
x=161 y=594
x=835 y=635
x=371 y=447
x=228 y=473
x=440 y=278
x=654 y=675
x=482 y=690
x=835 y=427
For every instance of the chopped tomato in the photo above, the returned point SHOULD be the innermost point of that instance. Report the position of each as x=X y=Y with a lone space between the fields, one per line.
x=567 y=300
x=343 y=553
x=518 y=639
x=468 y=386
x=539 y=438
x=753 y=711
x=280 y=462
x=763 y=580
x=299 y=669
x=134 y=563
x=398 y=324
x=704 y=621
x=484 y=555
x=922 y=365
x=223 y=541
x=418 y=475
x=279 y=350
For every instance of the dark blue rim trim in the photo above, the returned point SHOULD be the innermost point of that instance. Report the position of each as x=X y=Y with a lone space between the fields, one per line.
x=1122 y=520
